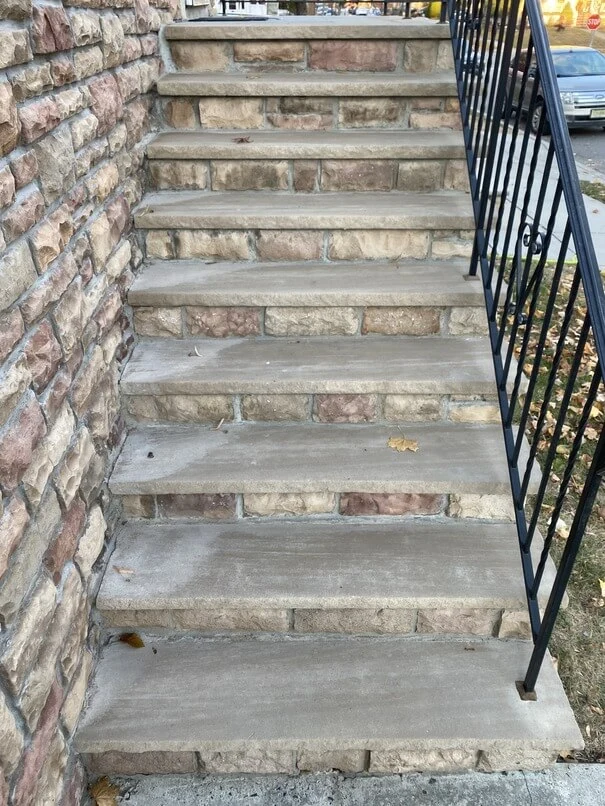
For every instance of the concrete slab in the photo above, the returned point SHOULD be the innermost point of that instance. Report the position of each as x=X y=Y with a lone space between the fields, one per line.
x=297 y=27
x=376 y=694
x=313 y=457
x=342 y=85
x=325 y=564
x=442 y=210
x=563 y=785
x=344 y=144
x=332 y=364
x=412 y=283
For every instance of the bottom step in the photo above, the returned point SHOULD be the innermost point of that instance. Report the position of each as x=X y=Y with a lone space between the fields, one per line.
x=286 y=705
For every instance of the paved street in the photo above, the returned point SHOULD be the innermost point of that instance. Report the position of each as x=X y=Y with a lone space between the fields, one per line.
x=589 y=149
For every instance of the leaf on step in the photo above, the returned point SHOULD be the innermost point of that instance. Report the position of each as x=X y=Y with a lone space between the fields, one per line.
x=402 y=444
x=104 y=793
x=242 y=140
x=133 y=639
x=125 y=572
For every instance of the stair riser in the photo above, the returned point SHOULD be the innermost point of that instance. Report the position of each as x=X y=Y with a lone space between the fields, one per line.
x=231 y=506
x=309 y=176
x=324 y=408
x=368 y=55
x=310 y=113
x=381 y=620
x=317 y=245
x=240 y=321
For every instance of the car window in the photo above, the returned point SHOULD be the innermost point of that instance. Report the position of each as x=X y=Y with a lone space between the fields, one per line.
x=579 y=63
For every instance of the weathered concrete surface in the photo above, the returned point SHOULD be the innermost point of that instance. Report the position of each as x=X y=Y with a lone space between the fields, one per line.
x=194 y=282
x=342 y=85
x=442 y=210
x=320 y=694
x=563 y=785
x=313 y=458
x=405 y=365
x=346 y=144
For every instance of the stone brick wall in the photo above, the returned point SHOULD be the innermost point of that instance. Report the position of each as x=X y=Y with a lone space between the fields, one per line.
x=74 y=113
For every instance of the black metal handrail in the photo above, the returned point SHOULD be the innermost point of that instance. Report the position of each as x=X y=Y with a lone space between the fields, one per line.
x=543 y=290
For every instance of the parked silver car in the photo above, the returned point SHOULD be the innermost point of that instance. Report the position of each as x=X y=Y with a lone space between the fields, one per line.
x=581 y=79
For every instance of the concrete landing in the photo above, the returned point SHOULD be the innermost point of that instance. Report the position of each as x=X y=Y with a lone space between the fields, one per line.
x=405 y=283
x=339 y=365
x=563 y=785
x=350 y=144
x=382 y=695
x=442 y=210
x=258 y=458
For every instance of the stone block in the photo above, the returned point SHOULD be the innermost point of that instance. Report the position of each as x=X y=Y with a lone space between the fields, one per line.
x=381 y=113
x=456 y=176
x=276 y=51
x=249 y=175
x=356 y=620
x=7 y=187
x=391 y=504
x=500 y=759
x=55 y=156
x=74 y=465
x=24 y=168
x=51 y=30
x=91 y=542
x=412 y=408
x=10 y=124
x=311 y=321
x=204 y=619
x=52 y=236
x=420 y=176
x=420 y=56
x=328 y=760
x=357 y=175
x=205 y=505
x=158 y=243
x=43 y=354
x=479 y=412
x=401 y=321
x=62 y=70
x=150 y=762
x=47 y=456
x=300 y=113
x=352 y=55
x=269 y=408
x=138 y=506
x=16 y=10
x=14 y=380
x=378 y=244
x=450 y=247
x=13 y=523
x=220 y=245
x=459 y=621
x=288 y=503
x=437 y=760
x=345 y=408
x=14 y=47
x=31 y=81
x=249 y=761
x=158 y=322
x=11 y=330
x=112 y=40
x=88 y=62
x=467 y=322
x=222 y=322
x=496 y=507
x=17 y=273
x=304 y=177
x=106 y=102
x=18 y=443
x=231 y=113
x=180 y=408
x=207 y=56
x=38 y=118
x=179 y=174
x=11 y=740
x=289 y=245
x=435 y=120
x=515 y=624
x=74 y=701
x=27 y=210
x=180 y=113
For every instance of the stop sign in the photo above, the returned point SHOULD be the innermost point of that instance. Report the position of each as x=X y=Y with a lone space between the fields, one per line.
x=593 y=22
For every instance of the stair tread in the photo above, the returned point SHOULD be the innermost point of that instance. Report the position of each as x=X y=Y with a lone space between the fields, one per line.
x=344 y=144
x=313 y=457
x=274 y=210
x=308 y=27
x=318 y=84
x=195 y=282
x=365 y=693
x=437 y=563
x=332 y=364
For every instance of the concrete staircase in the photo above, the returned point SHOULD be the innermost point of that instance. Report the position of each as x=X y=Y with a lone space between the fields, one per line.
x=310 y=597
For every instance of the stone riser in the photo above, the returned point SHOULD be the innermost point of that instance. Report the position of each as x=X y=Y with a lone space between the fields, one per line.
x=310 y=113
x=240 y=321
x=317 y=245
x=486 y=622
x=382 y=56
x=229 y=506
x=309 y=176
x=323 y=408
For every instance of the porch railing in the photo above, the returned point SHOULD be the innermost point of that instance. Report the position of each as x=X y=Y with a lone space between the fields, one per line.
x=543 y=291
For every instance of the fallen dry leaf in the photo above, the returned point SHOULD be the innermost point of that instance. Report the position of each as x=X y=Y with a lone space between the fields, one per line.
x=133 y=639
x=242 y=140
x=402 y=444
x=125 y=572
x=602 y=584
x=104 y=793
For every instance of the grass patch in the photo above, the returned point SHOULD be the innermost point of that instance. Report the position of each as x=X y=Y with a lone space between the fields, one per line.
x=596 y=190
x=579 y=37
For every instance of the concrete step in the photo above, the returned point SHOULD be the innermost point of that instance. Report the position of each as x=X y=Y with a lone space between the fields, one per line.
x=312 y=100
x=309 y=162
x=332 y=379
x=382 y=704
x=431 y=576
x=316 y=458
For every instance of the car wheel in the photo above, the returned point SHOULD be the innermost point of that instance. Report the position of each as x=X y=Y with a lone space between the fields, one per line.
x=536 y=117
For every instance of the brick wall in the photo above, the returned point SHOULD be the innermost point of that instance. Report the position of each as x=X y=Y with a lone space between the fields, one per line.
x=74 y=114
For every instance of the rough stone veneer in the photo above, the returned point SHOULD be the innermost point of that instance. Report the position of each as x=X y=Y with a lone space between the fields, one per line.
x=74 y=112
